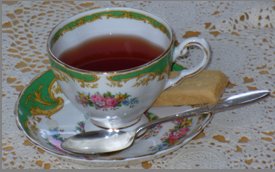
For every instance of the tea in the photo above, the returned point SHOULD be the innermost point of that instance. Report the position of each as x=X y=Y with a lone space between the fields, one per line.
x=110 y=53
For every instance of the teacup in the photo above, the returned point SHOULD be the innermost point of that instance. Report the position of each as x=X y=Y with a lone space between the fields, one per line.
x=118 y=99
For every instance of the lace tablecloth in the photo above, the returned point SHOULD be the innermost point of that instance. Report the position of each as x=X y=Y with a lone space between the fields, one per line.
x=242 y=37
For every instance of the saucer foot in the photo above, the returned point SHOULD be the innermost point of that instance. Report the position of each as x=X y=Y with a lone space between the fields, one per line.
x=89 y=126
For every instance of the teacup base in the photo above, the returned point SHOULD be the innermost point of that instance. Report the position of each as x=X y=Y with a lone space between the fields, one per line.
x=114 y=124
x=91 y=126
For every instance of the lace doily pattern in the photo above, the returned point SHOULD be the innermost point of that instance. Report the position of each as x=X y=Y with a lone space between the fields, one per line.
x=242 y=38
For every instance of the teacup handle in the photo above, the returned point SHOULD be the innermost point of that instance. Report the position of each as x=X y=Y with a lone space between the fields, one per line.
x=181 y=49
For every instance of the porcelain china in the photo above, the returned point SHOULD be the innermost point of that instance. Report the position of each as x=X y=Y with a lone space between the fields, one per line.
x=117 y=99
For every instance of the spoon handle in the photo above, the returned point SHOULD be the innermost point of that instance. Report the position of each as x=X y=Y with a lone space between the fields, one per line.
x=224 y=104
x=239 y=100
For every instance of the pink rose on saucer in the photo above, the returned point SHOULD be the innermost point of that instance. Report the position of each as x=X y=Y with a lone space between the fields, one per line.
x=183 y=131
x=173 y=138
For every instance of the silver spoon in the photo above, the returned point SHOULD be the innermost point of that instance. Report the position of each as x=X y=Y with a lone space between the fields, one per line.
x=103 y=141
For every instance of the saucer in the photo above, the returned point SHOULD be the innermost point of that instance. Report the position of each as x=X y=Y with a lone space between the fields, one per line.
x=47 y=118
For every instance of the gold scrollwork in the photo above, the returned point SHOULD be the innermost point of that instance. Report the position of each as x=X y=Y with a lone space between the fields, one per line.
x=66 y=78
x=141 y=80
x=145 y=80
x=38 y=98
x=114 y=83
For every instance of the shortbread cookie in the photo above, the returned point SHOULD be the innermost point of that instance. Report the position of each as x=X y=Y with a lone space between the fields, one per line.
x=204 y=88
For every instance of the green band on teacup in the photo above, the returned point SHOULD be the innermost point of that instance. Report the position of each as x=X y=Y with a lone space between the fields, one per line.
x=109 y=14
x=151 y=71
x=156 y=69
x=176 y=67
x=73 y=74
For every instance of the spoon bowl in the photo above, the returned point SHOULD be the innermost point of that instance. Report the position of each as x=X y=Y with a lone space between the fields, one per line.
x=109 y=140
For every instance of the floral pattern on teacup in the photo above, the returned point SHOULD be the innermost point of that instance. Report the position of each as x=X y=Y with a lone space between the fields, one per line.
x=106 y=101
